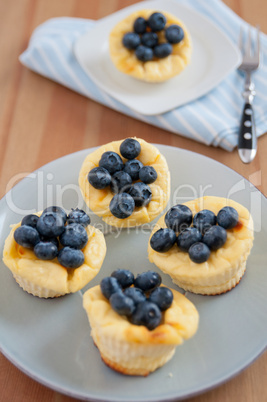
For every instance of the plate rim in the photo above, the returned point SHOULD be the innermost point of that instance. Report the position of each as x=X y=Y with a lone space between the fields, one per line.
x=53 y=385
x=159 y=110
x=63 y=391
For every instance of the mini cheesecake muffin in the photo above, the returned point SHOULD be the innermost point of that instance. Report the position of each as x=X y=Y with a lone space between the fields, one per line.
x=207 y=253
x=124 y=327
x=150 y=46
x=126 y=183
x=44 y=267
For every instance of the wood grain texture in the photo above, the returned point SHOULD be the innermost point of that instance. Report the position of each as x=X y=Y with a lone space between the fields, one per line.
x=41 y=120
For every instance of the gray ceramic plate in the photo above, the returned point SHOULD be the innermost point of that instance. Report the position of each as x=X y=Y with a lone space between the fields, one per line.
x=50 y=339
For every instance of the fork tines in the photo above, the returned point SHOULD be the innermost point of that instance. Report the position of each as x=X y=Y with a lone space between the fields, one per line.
x=249 y=45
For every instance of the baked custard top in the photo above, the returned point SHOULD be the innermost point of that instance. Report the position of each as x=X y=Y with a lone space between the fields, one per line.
x=50 y=274
x=226 y=259
x=156 y=70
x=99 y=200
x=179 y=322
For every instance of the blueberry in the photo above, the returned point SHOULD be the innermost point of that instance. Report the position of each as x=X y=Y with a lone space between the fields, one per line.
x=30 y=220
x=122 y=304
x=147 y=314
x=227 y=217
x=50 y=224
x=120 y=181
x=148 y=174
x=147 y=280
x=203 y=220
x=149 y=39
x=45 y=250
x=188 y=237
x=99 y=178
x=57 y=210
x=174 y=34
x=111 y=161
x=144 y=53
x=141 y=194
x=131 y=40
x=53 y=240
x=157 y=22
x=122 y=205
x=137 y=295
x=162 y=50
x=178 y=217
x=124 y=277
x=109 y=285
x=140 y=25
x=163 y=240
x=133 y=167
x=74 y=236
x=26 y=236
x=162 y=297
x=70 y=257
x=215 y=237
x=130 y=148
x=78 y=216
x=199 y=252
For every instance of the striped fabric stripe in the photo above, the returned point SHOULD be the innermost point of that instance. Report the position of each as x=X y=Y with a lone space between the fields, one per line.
x=213 y=119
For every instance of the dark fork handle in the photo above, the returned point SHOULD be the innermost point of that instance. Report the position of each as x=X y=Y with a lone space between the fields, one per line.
x=247 y=141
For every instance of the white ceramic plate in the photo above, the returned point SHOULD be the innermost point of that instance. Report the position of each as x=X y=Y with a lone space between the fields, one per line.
x=50 y=339
x=208 y=66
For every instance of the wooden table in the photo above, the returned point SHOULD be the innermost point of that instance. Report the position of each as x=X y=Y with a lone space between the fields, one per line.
x=41 y=121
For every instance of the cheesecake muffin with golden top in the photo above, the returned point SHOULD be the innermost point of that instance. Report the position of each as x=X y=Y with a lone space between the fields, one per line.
x=151 y=46
x=136 y=323
x=126 y=183
x=51 y=253
x=203 y=244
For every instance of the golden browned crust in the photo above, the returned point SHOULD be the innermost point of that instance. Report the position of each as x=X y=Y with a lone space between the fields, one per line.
x=225 y=291
x=123 y=370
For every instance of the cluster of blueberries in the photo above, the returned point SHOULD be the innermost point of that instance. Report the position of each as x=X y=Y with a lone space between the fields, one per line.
x=145 y=41
x=140 y=299
x=207 y=234
x=55 y=234
x=119 y=177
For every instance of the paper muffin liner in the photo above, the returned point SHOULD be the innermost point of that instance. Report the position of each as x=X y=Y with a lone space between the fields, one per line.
x=131 y=358
x=35 y=290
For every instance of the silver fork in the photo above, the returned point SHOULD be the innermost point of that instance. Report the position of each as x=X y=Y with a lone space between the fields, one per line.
x=247 y=140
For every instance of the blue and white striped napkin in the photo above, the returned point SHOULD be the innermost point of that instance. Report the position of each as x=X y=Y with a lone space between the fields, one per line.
x=212 y=119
